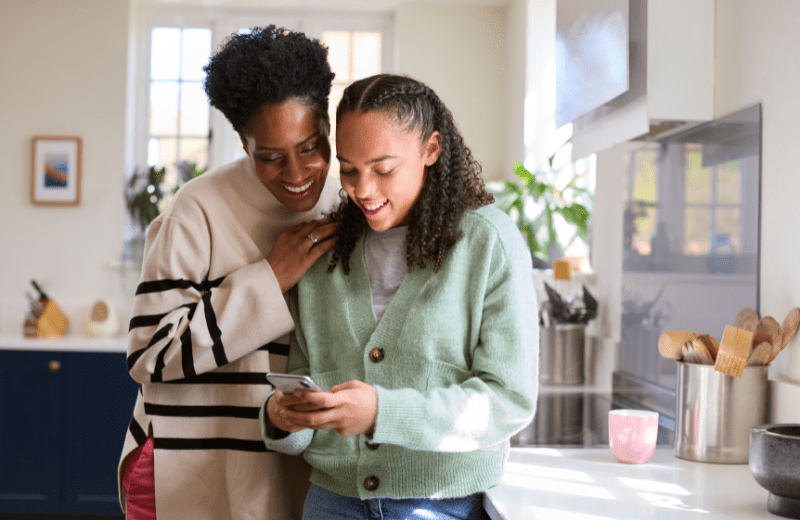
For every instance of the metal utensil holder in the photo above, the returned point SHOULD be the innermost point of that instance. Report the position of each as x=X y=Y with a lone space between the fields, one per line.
x=715 y=412
x=561 y=354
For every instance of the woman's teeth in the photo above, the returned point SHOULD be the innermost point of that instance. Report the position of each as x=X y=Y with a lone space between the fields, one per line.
x=299 y=189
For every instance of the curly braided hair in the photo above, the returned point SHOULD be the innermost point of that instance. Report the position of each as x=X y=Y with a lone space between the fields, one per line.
x=453 y=184
x=268 y=65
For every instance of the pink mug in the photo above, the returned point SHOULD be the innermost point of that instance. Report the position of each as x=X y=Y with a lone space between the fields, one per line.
x=632 y=435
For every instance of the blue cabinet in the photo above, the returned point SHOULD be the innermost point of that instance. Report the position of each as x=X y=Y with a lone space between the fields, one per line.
x=63 y=417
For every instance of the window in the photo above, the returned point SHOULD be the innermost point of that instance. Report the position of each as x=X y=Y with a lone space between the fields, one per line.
x=174 y=122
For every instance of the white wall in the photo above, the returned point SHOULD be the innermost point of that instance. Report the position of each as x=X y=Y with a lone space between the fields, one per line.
x=459 y=51
x=63 y=65
x=756 y=61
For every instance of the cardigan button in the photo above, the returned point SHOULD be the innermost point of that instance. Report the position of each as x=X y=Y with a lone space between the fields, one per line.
x=376 y=355
x=371 y=483
x=372 y=445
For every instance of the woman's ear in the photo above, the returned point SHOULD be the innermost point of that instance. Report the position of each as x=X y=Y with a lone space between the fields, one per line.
x=432 y=148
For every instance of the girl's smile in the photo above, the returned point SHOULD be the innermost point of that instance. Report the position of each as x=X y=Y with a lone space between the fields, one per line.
x=383 y=166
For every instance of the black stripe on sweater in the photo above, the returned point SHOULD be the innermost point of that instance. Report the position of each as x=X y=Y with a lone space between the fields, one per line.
x=160 y=334
x=168 y=284
x=209 y=444
x=239 y=412
x=223 y=378
x=149 y=320
x=276 y=348
x=211 y=322
x=187 y=359
x=137 y=431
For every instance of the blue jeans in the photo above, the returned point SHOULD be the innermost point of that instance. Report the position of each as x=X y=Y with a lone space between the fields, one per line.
x=322 y=504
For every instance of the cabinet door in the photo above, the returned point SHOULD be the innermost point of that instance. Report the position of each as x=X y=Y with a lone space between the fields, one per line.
x=99 y=395
x=30 y=448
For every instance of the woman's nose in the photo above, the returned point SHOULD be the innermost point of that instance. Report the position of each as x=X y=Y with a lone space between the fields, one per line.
x=295 y=169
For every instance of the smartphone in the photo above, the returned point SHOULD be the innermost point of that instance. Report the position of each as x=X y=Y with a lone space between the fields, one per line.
x=288 y=383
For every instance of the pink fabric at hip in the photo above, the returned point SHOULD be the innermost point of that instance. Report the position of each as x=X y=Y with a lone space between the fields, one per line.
x=139 y=484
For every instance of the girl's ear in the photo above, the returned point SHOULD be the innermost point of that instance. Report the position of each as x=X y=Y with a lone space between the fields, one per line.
x=432 y=148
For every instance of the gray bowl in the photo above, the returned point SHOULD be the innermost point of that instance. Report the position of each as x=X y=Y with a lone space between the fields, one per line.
x=775 y=464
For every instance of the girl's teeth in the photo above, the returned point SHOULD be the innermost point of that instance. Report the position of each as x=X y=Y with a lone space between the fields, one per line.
x=373 y=208
x=299 y=189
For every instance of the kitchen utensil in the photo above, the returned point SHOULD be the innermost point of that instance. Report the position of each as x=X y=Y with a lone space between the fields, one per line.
x=715 y=411
x=775 y=465
x=769 y=330
x=790 y=324
x=695 y=351
x=711 y=345
x=632 y=435
x=747 y=319
x=561 y=354
x=670 y=343
x=733 y=351
x=102 y=321
x=760 y=355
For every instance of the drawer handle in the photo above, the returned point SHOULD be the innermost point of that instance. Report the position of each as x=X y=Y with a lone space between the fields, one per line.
x=54 y=366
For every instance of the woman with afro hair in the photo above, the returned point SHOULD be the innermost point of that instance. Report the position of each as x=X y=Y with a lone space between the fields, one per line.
x=210 y=317
x=419 y=325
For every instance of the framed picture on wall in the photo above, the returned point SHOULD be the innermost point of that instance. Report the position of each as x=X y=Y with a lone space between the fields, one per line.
x=56 y=170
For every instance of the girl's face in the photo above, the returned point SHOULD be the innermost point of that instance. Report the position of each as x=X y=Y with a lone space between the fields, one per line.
x=382 y=166
x=289 y=153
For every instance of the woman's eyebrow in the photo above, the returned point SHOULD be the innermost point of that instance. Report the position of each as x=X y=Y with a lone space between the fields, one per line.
x=301 y=143
x=371 y=161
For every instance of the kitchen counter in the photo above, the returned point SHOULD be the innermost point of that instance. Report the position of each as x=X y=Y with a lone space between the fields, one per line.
x=67 y=343
x=589 y=484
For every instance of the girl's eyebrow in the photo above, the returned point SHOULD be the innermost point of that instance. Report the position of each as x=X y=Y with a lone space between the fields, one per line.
x=371 y=161
x=301 y=143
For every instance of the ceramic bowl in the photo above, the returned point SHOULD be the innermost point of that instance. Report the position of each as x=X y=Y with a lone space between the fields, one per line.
x=632 y=435
x=775 y=464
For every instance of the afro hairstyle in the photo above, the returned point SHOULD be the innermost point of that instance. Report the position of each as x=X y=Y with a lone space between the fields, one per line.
x=268 y=65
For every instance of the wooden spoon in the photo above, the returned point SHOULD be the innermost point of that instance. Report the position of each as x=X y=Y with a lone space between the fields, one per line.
x=704 y=356
x=760 y=355
x=670 y=343
x=747 y=319
x=769 y=330
x=711 y=345
x=790 y=325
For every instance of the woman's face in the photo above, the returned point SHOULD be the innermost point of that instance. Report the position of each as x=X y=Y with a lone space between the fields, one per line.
x=289 y=153
x=382 y=166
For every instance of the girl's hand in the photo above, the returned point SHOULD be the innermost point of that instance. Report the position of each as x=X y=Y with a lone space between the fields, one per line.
x=349 y=408
x=280 y=404
x=294 y=252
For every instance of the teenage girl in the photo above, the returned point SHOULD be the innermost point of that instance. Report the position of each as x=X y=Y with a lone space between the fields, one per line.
x=419 y=325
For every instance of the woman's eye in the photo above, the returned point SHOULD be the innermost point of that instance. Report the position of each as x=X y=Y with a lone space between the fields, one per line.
x=269 y=158
x=309 y=149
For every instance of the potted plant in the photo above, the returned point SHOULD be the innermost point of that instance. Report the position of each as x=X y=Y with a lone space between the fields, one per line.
x=537 y=200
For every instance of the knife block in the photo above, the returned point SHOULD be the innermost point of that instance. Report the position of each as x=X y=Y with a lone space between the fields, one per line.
x=51 y=323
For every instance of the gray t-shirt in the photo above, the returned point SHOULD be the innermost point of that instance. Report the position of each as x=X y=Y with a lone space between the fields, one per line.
x=385 y=256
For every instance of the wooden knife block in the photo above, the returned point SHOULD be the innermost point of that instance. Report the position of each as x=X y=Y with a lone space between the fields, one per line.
x=52 y=323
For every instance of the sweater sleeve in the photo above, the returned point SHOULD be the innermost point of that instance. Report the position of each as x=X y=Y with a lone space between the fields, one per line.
x=277 y=440
x=184 y=324
x=498 y=398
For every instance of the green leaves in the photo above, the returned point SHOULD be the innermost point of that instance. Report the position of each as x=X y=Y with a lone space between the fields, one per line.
x=533 y=203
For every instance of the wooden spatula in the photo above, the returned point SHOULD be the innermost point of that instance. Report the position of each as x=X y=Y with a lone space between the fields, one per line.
x=733 y=351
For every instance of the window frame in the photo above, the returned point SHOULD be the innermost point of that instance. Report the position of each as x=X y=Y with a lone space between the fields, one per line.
x=223 y=21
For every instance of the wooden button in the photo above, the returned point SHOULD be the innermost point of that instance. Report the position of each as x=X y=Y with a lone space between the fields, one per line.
x=372 y=445
x=376 y=355
x=371 y=483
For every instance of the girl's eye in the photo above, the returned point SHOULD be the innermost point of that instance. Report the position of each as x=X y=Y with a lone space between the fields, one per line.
x=346 y=172
x=386 y=173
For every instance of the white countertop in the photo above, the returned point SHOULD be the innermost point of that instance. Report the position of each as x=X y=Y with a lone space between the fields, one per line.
x=67 y=343
x=589 y=484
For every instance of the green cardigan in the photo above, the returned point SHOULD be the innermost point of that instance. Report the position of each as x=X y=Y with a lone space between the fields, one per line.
x=459 y=371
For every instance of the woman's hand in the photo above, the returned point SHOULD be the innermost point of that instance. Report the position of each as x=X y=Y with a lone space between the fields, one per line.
x=279 y=404
x=349 y=408
x=294 y=252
